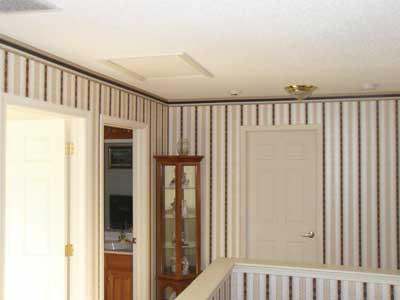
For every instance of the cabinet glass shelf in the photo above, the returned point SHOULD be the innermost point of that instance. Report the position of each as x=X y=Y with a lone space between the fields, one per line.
x=189 y=217
x=171 y=245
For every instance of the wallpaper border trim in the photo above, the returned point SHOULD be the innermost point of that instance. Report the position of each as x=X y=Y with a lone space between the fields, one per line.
x=358 y=97
x=76 y=68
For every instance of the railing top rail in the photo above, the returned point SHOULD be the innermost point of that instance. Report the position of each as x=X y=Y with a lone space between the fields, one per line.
x=208 y=281
x=320 y=271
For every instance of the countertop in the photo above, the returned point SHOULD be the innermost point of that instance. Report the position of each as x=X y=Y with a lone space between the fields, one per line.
x=119 y=252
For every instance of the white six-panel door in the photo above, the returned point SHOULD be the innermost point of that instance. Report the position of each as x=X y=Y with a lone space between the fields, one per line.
x=35 y=210
x=282 y=194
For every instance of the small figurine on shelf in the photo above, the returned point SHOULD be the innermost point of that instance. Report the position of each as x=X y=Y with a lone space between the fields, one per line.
x=173 y=207
x=184 y=209
x=183 y=239
x=185 y=180
x=185 y=266
x=172 y=296
x=172 y=264
x=169 y=213
x=172 y=182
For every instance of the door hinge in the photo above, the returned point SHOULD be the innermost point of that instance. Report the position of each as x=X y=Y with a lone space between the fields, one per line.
x=69 y=148
x=69 y=250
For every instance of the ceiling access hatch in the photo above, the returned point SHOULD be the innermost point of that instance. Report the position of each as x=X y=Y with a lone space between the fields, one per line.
x=159 y=67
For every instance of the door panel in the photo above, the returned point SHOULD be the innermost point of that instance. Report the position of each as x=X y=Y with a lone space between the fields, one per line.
x=35 y=212
x=282 y=195
x=119 y=285
x=36 y=237
x=118 y=276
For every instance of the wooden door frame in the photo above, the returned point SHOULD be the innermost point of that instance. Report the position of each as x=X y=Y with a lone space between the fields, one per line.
x=68 y=113
x=141 y=206
x=241 y=215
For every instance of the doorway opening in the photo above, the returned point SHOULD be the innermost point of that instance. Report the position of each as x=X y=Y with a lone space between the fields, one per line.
x=46 y=233
x=130 y=237
x=118 y=213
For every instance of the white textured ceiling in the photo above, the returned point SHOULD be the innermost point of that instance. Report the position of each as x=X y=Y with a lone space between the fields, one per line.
x=253 y=46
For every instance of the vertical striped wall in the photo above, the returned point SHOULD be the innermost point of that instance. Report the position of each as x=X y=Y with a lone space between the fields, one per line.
x=27 y=76
x=260 y=286
x=360 y=173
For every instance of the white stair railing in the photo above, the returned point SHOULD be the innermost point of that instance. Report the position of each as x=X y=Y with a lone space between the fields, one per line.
x=255 y=281
x=240 y=279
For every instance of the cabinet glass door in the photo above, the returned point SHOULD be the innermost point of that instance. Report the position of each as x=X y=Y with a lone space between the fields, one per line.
x=168 y=202
x=189 y=221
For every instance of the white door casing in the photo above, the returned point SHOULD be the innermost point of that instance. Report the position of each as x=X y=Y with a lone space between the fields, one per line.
x=281 y=193
x=80 y=211
x=35 y=210
x=141 y=206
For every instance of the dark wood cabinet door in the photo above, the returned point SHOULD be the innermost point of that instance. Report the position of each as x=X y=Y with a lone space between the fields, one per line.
x=118 y=277
x=119 y=285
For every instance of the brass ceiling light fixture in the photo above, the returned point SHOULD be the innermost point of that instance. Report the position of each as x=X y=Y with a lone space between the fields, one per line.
x=300 y=92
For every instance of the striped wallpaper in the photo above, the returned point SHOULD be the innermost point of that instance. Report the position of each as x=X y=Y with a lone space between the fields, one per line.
x=361 y=155
x=286 y=287
x=360 y=173
x=25 y=75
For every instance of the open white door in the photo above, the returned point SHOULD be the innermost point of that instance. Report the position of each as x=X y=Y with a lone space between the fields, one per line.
x=35 y=210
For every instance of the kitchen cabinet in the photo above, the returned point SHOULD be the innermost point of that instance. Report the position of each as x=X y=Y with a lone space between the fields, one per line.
x=118 y=276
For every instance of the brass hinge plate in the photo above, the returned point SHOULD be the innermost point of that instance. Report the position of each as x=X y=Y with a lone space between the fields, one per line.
x=69 y=250
x=69 y=148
